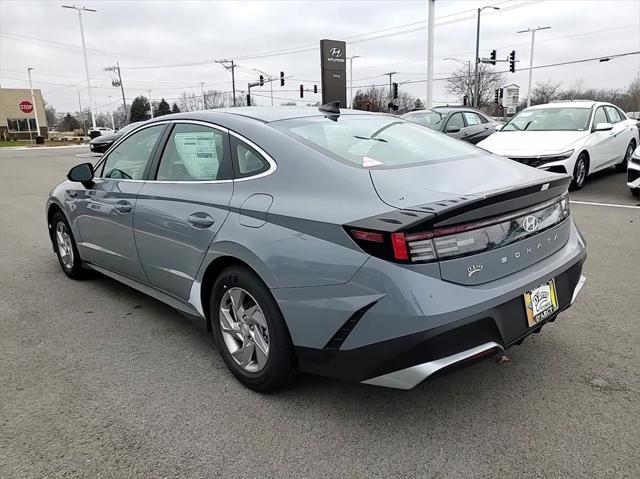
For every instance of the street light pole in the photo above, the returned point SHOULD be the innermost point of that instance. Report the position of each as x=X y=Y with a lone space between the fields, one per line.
x=533 y=39
x=476 y=92
x=430 y=25
x=351 y=79
x=84 y=52
x=150 y=105
x=33 y=100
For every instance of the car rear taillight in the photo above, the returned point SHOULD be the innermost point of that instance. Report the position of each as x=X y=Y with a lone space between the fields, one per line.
x=464 y=239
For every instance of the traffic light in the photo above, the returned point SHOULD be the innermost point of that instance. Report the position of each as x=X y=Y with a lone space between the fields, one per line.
x=261 y=80
x=395 y=91
x=494 y=55
x=281 y=78
x=512 y=61
x=301 y=91
x=248 y=99
x=497 y=97
x=315 y=88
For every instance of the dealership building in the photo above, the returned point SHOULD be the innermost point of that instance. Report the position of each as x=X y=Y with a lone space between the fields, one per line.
x=17 y=114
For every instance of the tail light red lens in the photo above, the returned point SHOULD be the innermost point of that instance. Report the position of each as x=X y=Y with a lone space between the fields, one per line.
x=368 y=236
x=399 y=243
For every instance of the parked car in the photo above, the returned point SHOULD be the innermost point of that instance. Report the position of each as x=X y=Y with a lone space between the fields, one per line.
x=633 y=173
x=343 y=243
x=578 y=137
x=462 y=123
x=101 y=143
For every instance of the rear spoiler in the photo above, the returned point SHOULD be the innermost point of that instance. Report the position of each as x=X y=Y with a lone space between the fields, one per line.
x=463 y=209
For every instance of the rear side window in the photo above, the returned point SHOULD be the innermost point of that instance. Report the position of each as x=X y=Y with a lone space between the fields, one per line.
x=612 y=112
x=472 y=118
x=248 y=162
x=194 y=153
x=372 y=141
x=128 y=161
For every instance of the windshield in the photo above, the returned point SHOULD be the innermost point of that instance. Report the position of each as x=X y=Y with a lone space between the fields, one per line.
x=550 y=119
x=372 y=141
x=429 y=118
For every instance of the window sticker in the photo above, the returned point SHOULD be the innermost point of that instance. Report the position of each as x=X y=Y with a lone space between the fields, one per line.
x=198 y=153
x=368 y=162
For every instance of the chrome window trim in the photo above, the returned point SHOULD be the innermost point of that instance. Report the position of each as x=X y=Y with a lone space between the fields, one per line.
x=273 y=166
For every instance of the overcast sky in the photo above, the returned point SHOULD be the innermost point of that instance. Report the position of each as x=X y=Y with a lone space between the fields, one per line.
x=387 y=35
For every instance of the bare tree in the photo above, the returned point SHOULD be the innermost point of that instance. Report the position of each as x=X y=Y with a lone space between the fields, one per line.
x=371 y=99
x=575 y=92
x=546 y=92
x=462 y=83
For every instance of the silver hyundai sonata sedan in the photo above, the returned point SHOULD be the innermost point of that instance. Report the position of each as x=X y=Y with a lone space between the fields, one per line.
x=348 y=244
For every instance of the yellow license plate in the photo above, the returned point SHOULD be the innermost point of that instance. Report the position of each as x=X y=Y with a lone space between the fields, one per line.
x=541 y=302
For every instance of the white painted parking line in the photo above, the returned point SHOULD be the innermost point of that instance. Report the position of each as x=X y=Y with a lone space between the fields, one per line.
x=603 y=204
x=88 y=155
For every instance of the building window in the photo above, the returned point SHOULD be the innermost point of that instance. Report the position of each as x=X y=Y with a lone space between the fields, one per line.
x=21 y=125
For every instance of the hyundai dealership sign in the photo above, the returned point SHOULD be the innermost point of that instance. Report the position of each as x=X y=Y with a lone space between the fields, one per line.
x=333 y=64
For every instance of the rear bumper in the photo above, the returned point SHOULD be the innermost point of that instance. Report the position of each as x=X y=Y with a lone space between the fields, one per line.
x=406 y=361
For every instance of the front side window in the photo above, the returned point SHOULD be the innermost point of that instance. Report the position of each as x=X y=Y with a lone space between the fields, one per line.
x=599 y=116
x=612 y=112
x=128 y=161
x=194 y=153
x=456 y=120
x=372 y=141
x=550 y=119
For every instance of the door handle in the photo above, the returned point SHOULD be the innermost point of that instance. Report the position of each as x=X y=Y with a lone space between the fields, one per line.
x=123 y=206
x=200 y=220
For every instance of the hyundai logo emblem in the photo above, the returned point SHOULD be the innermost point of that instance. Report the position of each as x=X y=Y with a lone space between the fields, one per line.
x=335 y=52
x=530 y=223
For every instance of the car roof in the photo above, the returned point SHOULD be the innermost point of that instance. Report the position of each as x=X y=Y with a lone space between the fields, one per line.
x=567 y=104
x=265 y=114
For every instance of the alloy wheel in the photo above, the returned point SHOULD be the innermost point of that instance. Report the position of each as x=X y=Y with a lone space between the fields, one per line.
x=581 y=172
x=244 y=329
x=65 y=248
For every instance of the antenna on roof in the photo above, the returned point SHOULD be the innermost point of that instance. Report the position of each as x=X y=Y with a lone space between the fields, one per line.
x=333 y=108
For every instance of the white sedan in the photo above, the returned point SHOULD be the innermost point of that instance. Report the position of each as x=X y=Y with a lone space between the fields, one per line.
x=578 y=137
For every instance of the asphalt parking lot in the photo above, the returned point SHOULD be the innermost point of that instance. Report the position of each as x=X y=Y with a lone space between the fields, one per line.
x=98 y=380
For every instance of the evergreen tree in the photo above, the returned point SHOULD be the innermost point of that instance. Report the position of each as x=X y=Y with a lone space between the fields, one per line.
x=139 y=109
x=175 y=108
x=163 y=108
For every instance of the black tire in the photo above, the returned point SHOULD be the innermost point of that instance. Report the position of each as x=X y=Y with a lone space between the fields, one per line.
x=580 y=173
x=281 y=365
x=73 y=268
x=622 y=166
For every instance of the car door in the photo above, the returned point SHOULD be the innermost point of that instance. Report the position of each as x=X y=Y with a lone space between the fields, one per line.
x=105 y=208
x=476 y=129
x=602 y=144
x=455 y=125
x=620 y=132
x=183 y=205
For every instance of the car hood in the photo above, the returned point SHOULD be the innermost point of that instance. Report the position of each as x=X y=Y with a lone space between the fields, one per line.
x=452 y=180
x=523 y=143
x=110 y=138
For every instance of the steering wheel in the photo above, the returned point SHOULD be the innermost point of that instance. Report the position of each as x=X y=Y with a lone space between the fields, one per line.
x=123 y=174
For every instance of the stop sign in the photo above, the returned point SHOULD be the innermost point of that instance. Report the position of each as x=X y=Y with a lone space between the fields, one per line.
x=26 y=106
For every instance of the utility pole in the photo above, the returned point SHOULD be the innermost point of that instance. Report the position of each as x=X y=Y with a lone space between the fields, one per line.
x=33 y=100
x=351 y=79
x=150 y=104
x=476 y=90
x=118 y=82
x=84 y=52
x=431 y=6
x=84 y=128
x=533 y=39
x=229 y=65
x=390 y=84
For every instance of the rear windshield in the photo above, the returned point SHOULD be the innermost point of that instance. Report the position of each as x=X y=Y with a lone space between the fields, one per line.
x=430 y=119
x=550 y=119
x=375 y=141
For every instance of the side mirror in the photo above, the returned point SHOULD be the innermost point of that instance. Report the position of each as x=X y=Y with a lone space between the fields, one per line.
x=498 y=127
x=603 y=127
x=452 y=129
x=82 y=173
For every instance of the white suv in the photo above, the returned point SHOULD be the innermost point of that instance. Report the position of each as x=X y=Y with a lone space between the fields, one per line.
x=577 y=137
